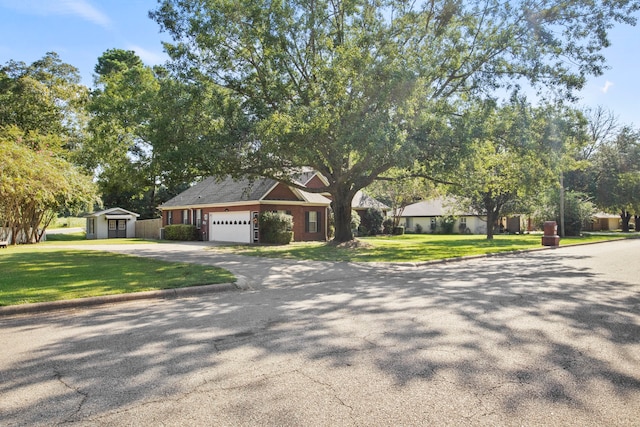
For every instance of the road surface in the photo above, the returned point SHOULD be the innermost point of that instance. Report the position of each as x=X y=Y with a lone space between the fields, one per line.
x=540 y=338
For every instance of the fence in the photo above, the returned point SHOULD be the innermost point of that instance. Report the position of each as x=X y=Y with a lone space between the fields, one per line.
x=149 y=228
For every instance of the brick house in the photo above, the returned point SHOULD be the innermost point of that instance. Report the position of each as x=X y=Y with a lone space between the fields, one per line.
x=227 y=210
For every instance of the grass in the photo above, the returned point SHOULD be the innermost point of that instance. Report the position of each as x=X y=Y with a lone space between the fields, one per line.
x=33 y=273
x=407 y=248
x=68 y=222
x=80 y=239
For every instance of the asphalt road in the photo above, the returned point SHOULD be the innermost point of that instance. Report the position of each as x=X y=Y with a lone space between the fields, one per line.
x=541 y=338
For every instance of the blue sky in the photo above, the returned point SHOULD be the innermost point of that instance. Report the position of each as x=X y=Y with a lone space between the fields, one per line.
x=81 y=30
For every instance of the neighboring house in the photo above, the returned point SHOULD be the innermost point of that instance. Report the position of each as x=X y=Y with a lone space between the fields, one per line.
x=111 y=224
x=428 y=215
x=228 y=210
x=603 y=222
x=362 y=201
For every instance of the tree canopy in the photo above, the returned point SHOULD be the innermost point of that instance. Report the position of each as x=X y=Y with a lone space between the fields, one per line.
x=516 y=150
x=36 y=184
x=352 y=88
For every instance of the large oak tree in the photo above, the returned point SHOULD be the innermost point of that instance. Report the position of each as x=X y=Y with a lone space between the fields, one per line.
x=352 y=88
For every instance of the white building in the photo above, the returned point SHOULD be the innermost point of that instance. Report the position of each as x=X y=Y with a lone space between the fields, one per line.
x=112 y=223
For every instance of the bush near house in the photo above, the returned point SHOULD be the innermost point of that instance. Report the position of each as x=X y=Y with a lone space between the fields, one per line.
x=276 y=228
x=446 y=224
x=180 y=232
x=371 y=224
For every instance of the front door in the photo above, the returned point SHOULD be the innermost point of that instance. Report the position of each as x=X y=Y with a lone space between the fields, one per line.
x=117 y=228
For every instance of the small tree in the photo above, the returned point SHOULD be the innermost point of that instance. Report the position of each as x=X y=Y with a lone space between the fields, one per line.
x=372 y=221
x=578 y=210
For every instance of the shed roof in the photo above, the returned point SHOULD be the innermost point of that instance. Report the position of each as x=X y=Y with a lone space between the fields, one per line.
x=113 y=211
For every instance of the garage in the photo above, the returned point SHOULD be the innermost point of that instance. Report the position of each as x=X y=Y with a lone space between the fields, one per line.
x=230 y=227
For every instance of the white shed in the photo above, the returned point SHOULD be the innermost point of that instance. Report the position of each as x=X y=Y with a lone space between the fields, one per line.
x=111 y=224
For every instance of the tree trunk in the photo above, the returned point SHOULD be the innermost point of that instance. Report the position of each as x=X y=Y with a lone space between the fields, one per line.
x=491 y=219
x=637 y=218
x=341 y=206
x=625 y=216
x=492 y=214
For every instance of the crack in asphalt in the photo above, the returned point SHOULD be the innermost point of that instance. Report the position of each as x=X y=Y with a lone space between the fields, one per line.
x=57 y=375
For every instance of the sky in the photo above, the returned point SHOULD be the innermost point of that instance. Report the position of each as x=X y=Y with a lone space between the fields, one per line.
x=80 y=31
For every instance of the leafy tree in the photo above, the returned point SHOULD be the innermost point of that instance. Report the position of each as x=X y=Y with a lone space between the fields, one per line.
x=120 y=150
x=37 y=184
x=45 y=97
x=578 y=210
x=616 y=168
x=516 y=151
x=353 y=88
x=398 y=191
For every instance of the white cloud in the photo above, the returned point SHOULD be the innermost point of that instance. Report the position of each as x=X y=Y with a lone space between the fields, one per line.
x=80 y=8
x=606 y=87
x=147 y=56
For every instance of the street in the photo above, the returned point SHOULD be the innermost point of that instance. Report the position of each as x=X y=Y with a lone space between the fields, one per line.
x=541 y=338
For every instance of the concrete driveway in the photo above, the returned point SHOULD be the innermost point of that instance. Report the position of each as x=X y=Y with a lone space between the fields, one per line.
x=542 y=338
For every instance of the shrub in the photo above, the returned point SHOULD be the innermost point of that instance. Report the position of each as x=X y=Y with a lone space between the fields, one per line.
x=371 y=222
x=276 y=228
x=418 y=228
x=180 y=232
x=578 y=209
x=446 y=224
x=398 y=231
x=387 y=226
x=355 y=220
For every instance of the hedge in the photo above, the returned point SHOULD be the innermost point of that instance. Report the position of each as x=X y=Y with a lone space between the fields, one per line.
x=180 y=232
x=276 y=228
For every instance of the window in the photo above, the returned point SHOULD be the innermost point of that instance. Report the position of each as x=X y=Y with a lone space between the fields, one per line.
x=312 y=222
x=91 y=226
x=169 y=217
x=112 y=224
x=185 y=216
x=198 y=218
x=122 y=225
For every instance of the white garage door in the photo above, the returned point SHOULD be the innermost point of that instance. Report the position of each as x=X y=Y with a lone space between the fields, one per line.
x=230 y=227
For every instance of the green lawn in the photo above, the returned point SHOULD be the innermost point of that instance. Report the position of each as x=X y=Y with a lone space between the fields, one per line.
x=68 y=222
x=35 y=273
x=407 y=248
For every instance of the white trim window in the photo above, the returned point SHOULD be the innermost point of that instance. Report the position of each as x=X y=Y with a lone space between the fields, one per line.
x=198 y=218
x=185 y=216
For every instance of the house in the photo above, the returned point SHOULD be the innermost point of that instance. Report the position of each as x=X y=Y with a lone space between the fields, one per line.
x=111 y=224
x=602 y=221
x=227 y=210
x=427 y=216
x=361 y=200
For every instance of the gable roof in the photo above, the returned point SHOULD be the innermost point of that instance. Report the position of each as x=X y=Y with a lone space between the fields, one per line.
x=362 y=200
x=112 y=211
x=212 y=191
x=434 y=207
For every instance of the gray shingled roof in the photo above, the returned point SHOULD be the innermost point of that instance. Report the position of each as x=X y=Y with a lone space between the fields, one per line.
x=210 y=191
x=362 y=200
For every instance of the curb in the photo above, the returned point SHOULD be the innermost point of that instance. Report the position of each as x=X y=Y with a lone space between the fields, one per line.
x=43 y=307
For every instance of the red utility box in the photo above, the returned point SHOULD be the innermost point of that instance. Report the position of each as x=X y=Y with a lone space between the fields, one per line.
x=550 y=237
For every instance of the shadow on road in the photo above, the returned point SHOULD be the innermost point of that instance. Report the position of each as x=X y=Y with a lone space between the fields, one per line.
x=499 y=336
